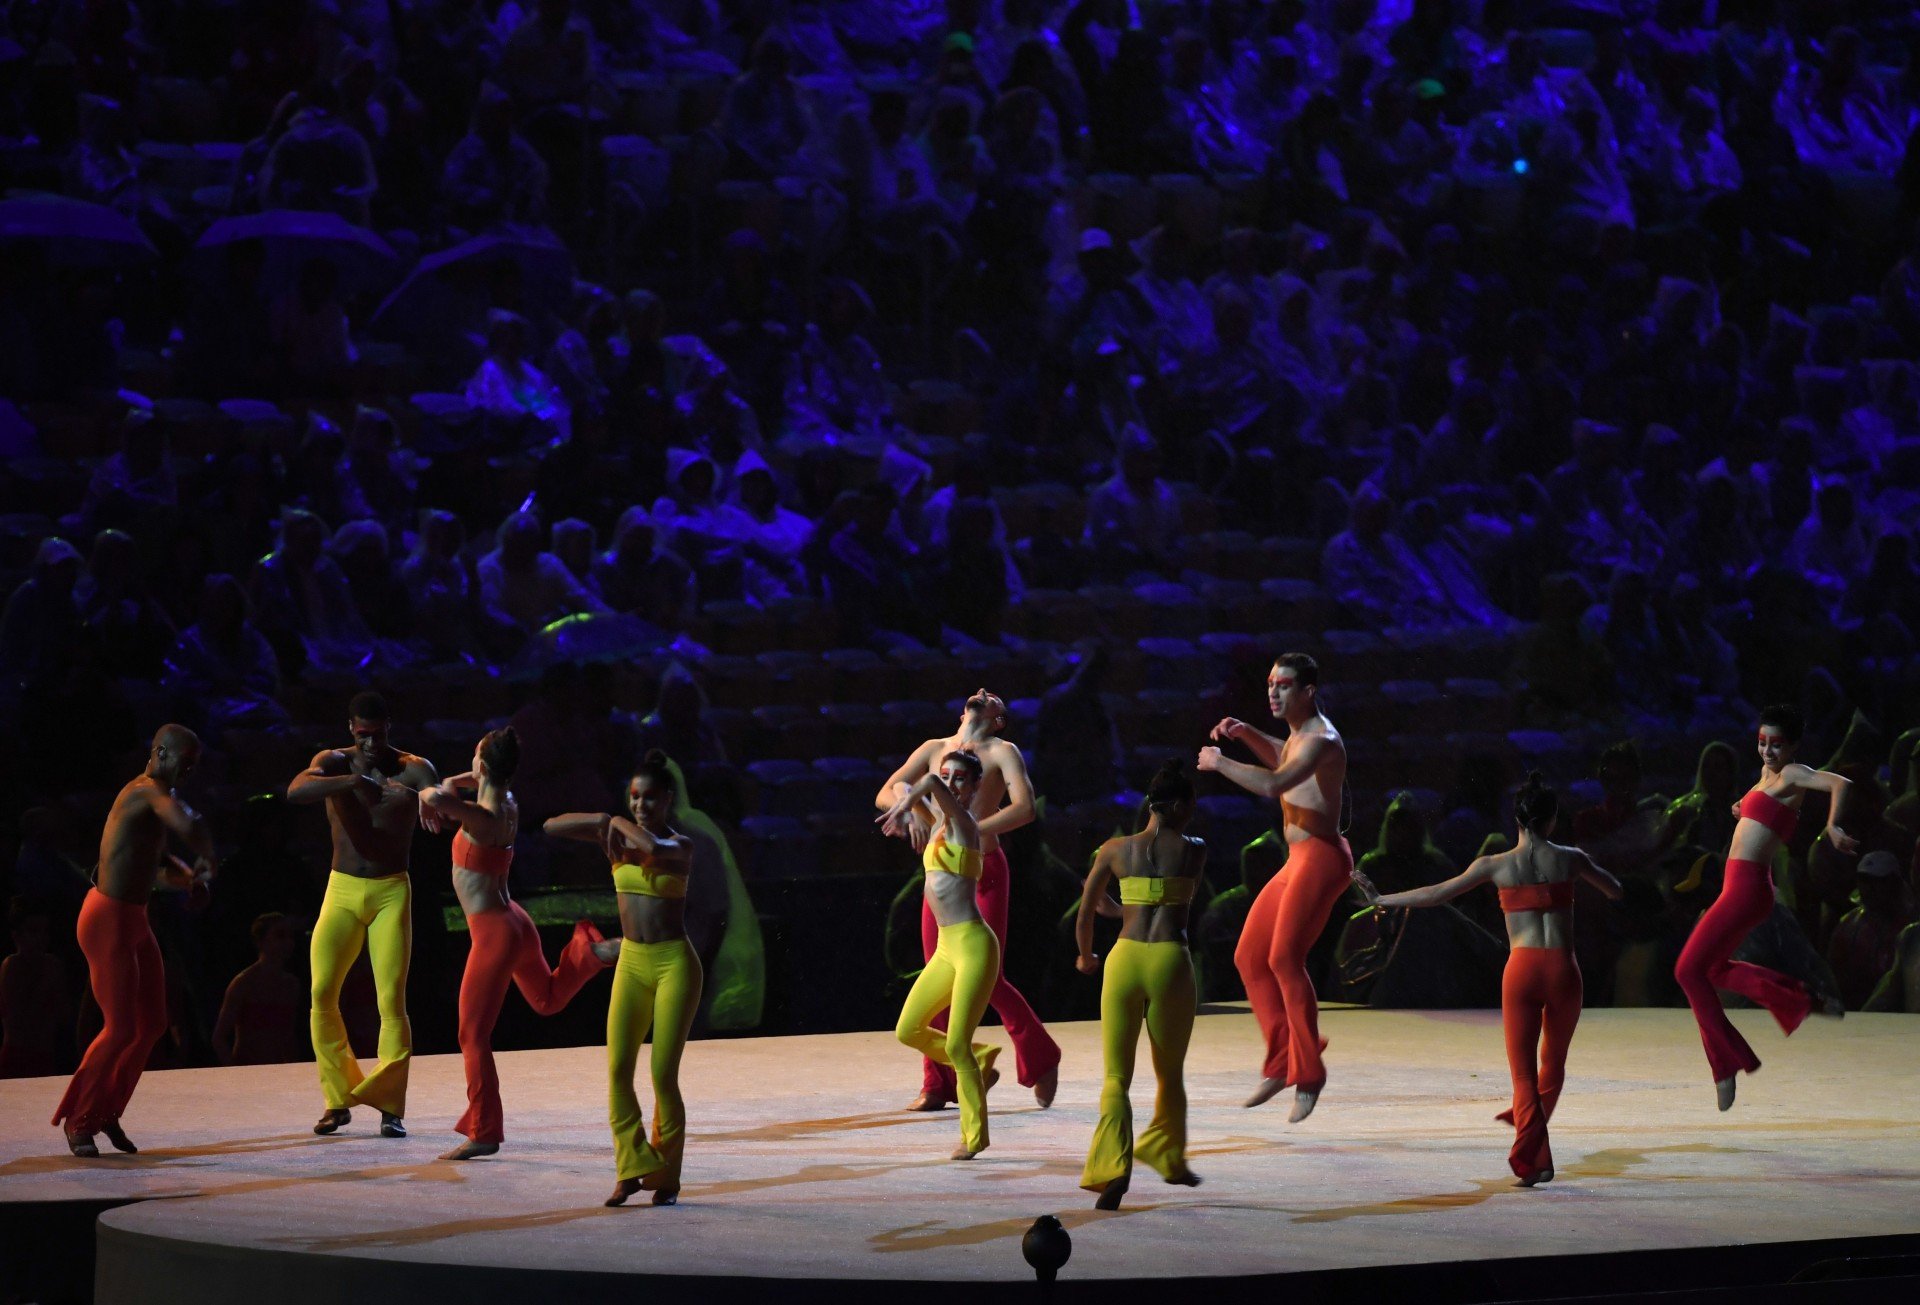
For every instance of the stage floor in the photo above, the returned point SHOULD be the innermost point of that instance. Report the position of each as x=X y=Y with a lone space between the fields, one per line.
x=800 y=1164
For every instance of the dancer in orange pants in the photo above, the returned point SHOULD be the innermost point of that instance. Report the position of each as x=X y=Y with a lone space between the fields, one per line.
x=1540 y=993
x=123 y=960
x=505 y=943
x=1306 y=774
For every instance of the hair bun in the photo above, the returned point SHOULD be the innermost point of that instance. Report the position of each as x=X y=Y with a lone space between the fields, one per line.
x=654 y=757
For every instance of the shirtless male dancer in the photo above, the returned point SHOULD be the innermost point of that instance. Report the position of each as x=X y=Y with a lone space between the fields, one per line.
x=1306 y=774
x=372 y=796
x=123 y=960
x=1003 y=778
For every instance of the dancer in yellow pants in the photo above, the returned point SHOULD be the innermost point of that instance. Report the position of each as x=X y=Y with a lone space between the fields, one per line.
x=656 y=981
x=965 y=964
x=1149 y=978
x=372 y=795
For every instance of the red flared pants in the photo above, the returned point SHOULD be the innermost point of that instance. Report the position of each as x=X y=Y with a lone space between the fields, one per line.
x=1034 y=1050
x=130 y=983
x=1540 y=997
x=506 y=946
x=1706 y=963
x=1281 y=929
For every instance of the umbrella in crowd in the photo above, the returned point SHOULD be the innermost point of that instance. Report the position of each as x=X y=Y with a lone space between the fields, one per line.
x=72 y=232
x=527 y=271
x=293 y=237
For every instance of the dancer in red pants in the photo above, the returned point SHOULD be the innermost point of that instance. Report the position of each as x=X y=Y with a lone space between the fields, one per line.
x=1036 y=1054
x=123 y=960
x=505 y=943
x=1540 y=993
x=1306 y=774
x=1768 y=815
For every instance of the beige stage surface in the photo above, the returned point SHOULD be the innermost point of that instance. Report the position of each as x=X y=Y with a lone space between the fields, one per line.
x=800 y=1163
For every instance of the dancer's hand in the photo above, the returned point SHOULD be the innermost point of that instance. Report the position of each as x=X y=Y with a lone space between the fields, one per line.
x=1209 y=759
x=1228 y=728
x=1367 y=890
x=1843 y=841
x=897 y=822
x=1087 y=963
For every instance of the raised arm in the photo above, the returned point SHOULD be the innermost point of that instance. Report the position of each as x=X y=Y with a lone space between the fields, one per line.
x=578 y=826
x=1594 y=873
x=327 y=775
x=1091 y=896
x=486 y=824
x=1265 y=747
x=1837 y=788
x=915 y=827
x=674 y=854
x=1262 y=782
x=1018 y=810
x=1446 y=890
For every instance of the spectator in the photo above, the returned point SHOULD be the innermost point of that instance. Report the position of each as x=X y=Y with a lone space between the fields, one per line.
x=1405 y=857
x=41 y=627
x=635 y=575
x=262 y=1019
x=678 y=723
x=36 y=1001
x=321 y=162
x=223 y=668
x=527 y=585
x=1133 y=518
x=511 y=390
x=493 y=176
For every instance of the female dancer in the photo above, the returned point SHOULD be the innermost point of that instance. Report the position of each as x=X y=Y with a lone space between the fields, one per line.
x=505 y=944
x=1149 y=979
x=966 y=961
x=656 y=982
x=1540 y=992
x=1767 y=815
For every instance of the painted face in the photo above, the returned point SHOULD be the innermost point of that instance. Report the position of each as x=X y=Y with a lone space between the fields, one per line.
x=649 y=802
x=369 y=736
x=1284 y=690
x=959 y=779
x=1774 y=748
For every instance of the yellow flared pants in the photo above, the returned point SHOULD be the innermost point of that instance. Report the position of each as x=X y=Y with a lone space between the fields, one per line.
x=376 y=914
x=655 y=986
x=959 y=978
x=1150 y=983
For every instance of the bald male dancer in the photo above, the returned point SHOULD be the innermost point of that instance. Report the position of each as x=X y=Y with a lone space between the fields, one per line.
x=123 y=960
x=1003 y=779
x=1306 y=773
x=372 y=792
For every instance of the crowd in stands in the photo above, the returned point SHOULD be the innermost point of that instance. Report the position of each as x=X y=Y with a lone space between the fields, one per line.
x=748 y=380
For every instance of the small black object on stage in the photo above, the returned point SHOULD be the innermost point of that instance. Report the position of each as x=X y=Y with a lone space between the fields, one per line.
x=1046 y=1247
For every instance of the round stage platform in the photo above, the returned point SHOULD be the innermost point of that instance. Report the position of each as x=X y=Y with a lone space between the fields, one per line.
x=802 y=1170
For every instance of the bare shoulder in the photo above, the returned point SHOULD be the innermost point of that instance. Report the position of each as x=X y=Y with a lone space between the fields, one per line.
x=1001 y=752
x=418 y=770
x=330 y=761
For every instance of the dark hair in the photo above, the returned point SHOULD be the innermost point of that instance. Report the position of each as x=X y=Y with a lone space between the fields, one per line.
x=1622 y=753
x=971 y=760
x=1786 y=719
x=1170 y=787
x=656 y=769
x=500 y=753
x=263 y=925
x=1304 y=668
x=368 y=705
x=1535 y=804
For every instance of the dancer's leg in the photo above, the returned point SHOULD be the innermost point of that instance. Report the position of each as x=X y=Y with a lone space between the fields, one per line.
x=1123 y=1007
x=549 y=990
x=108 y=932
x=1250 y=955
x=390 y=949
x=1318 y=872
x=1746 y=898
x=483 y=987
x=677 y=984
x=936 y=1080
x=976 y=966
x=629 y=1015
x=1172 y=1000
x=1522 y=993
x=339 y=931
x=1035 y=1053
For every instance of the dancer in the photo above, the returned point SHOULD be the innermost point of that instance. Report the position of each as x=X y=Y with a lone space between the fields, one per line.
x=372 y=796
x=1306 y=774
x=123 y=959
x=505 y=944
x=1768 y=815
x=961 y=972
x=656 y=981
x=1540 y=993
x=1003 y=777
x=1149 y=979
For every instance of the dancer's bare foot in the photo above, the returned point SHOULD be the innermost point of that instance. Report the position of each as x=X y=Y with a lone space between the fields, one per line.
x=989 y=1078
x=331 y=1121
x=1269 y=1088
x=1534 y=1180
x=471 y=1150
x=929 y=1102
x=115 y=1135
x=622 y=1190
x=1304 y=1100
x=607 y=951
x=1046 y=1086
x=1829 y=1006
x=1185 y=1178
x=392 y=1125
x=1109 y=1198
x=667 y=1196
x=1724 y=1088
x=82 y=1145
x=961 y=1153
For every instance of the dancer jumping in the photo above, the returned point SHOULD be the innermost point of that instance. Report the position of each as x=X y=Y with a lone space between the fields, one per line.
x=960 y=973
x=1768 y=815
x=1004 y=778
x=1306 y=774
x=1149 y=978
x=123 y=959
x=656 y=981
x=505 y=944
x=1540 y=993
x=372 y=796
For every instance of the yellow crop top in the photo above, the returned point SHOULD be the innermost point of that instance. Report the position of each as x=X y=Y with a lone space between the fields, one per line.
x=952 y=859
x=1151 y=890
x=649 y=881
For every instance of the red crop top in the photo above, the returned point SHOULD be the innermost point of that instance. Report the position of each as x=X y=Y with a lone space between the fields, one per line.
x=1771 y=812
x=1538 y=897
x=480 y=857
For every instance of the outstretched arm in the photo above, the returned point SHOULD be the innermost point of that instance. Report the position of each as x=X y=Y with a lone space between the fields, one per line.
x=1446 y=890
x=1262 y=782
x=1836 y=787
x=1265 y=747
x=1091 y=896
x=578 y=826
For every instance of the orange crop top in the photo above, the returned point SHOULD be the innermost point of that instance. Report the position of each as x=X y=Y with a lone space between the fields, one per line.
x=480 y=858
x=1771 y=812
x=1538 y=897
